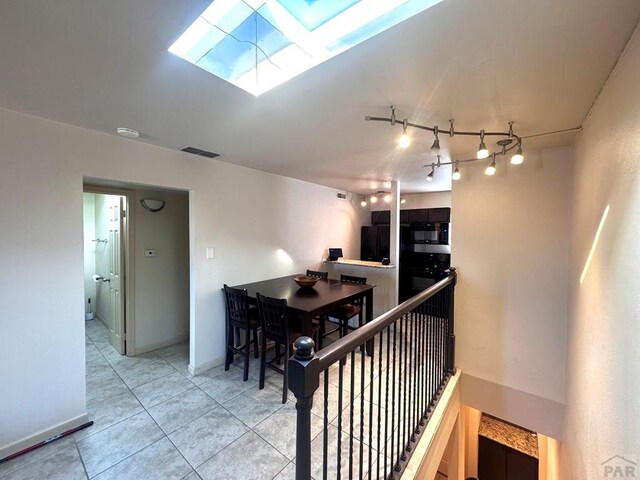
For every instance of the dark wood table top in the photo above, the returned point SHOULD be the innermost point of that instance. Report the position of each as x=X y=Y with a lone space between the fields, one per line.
x=324 y=296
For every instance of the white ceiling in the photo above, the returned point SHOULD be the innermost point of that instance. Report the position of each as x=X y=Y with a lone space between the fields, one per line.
x=101 y=64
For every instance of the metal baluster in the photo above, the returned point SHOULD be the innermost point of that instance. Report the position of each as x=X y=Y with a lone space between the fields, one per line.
x=386 y=402
x=393 y=395
x=340 y=385
x=406 y=389
x=378 y=463
x=414 y=377
x=362 y=371
x=351 y=419
x=400 y=386
x=325 y=433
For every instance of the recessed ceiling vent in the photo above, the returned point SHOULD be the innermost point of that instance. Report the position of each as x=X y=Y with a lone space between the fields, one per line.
x=197 y=151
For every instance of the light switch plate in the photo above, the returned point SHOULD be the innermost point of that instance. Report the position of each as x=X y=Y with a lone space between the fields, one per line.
x=211 y=253
x=150 y=253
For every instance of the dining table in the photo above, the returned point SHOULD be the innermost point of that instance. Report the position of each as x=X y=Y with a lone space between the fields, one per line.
x=307 y=303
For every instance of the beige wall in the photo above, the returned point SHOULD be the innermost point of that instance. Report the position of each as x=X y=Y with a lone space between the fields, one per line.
x=603 y=399
x=261 y=226
x=89 y=233
x=161 y=283
x=511 y=251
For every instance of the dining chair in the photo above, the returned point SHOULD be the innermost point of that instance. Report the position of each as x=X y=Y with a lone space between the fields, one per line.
x=346 y=312
x=240 y=316
x=317 y=274
x=276 y=326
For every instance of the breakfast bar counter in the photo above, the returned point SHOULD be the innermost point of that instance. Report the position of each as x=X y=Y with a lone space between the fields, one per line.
x=359 y=263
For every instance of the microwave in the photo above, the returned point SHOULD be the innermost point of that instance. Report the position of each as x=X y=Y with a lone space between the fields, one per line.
x=430 y=233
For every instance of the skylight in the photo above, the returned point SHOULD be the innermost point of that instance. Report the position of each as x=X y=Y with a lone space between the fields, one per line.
x=259 y=44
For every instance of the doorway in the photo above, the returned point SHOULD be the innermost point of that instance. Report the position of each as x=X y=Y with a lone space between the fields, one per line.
x=106 y=262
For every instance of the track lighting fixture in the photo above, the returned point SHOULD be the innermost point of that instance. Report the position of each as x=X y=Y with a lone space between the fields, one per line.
x=373 y=198
x=404 y=141
x=508 y=142
x=403 y=200
x=483 y=152
x=491 y=169
x=435 y=147
x=456 y=172
x=517 y=157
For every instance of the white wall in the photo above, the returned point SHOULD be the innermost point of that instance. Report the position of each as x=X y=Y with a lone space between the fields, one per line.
x=603 y=398
x=426 y=200
x=511 y=251
x=161 y=283
x=89 y=229
x=261 y=226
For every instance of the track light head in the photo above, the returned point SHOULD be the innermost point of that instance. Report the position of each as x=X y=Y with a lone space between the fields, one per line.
x=491 y=169
x=387 y=198
x=517 y=157
x=456 y=173
x=404 y=141
x=363 y=203
x=483 y=152
x=373 y=199
x=435 y=147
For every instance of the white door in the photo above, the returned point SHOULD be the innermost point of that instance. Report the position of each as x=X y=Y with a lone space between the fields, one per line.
x=116 y=282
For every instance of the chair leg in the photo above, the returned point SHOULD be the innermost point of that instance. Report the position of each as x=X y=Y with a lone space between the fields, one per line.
x=277 y=349
x=255 y=342
x=285 y=381
x=323 y=328
x=263 y=362
x=229 y=358
x=247 y=351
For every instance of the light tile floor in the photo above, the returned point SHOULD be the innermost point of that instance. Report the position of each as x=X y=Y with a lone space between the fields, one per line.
x=153 y=420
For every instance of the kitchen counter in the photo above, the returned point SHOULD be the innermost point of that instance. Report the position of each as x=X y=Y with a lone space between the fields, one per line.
x=512 y=436
x=359 y=263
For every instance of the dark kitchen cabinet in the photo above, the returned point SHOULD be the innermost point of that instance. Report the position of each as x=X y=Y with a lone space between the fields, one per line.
x=498 y=462
x=382 y=217
x=440 y=215
x=404 y=217
x=419 y=216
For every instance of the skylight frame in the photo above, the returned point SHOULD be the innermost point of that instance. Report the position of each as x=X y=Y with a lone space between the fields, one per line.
x=221 y=31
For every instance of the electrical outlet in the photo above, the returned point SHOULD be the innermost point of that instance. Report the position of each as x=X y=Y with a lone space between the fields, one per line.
x=211 y=253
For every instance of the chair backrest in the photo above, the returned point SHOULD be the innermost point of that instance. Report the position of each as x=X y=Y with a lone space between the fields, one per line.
x=273 y=318
x=353 y=279
x=320 y=275
x=237 y=301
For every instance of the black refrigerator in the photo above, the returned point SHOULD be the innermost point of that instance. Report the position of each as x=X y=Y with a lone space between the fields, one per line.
x=375 y=243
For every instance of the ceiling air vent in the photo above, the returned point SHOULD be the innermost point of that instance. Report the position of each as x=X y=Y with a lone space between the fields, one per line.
x=342 y=195
x=197 y=151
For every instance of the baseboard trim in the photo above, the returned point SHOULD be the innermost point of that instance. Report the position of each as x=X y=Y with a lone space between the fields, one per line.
x=216 y=362
x=43 y=435
x=156 y=346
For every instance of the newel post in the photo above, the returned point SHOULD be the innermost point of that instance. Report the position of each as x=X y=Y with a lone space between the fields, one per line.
x=304 y=379
x=451 y=360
